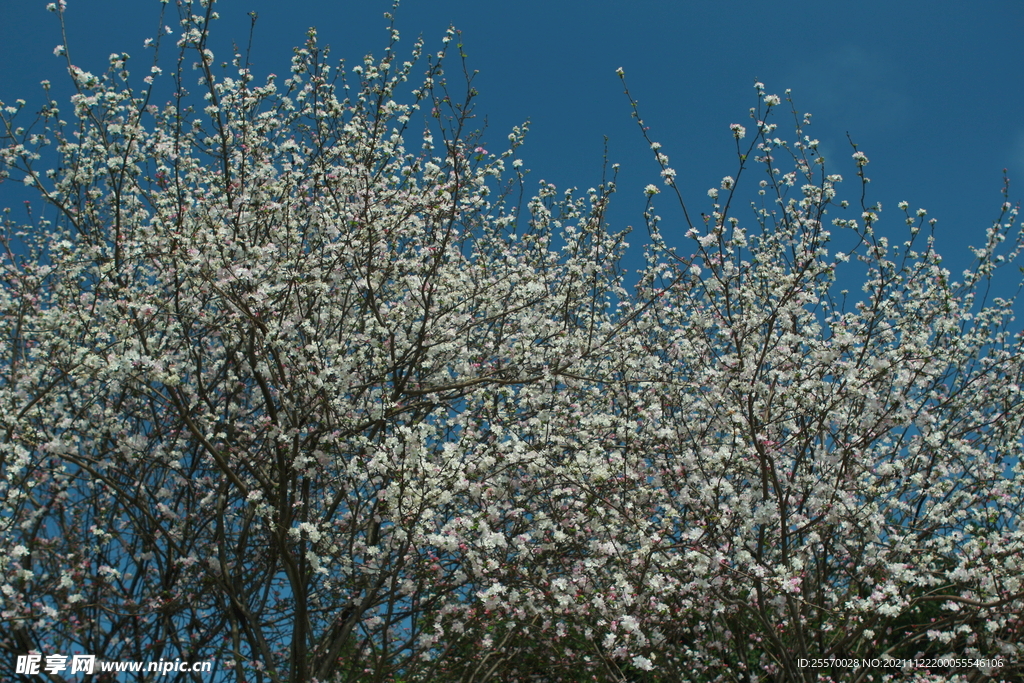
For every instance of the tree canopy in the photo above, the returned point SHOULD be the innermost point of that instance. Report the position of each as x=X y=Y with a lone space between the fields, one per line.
x=296 y=377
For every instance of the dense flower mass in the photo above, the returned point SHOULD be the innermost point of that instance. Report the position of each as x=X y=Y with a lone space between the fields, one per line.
x=287 y=384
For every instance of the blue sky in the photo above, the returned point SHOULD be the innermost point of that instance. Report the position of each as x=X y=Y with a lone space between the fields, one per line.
x=933 y=92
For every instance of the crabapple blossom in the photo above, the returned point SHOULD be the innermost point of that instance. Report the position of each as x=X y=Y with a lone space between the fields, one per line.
x=288 y=384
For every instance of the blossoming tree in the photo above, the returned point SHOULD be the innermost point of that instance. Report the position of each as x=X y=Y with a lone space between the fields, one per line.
x=290 y=386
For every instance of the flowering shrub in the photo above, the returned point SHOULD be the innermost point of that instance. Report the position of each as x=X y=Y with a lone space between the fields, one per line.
x=288 y=385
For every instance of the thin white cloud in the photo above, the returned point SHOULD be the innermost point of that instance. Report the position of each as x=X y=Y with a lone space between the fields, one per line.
x=852 y=84
x=1015 y=168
